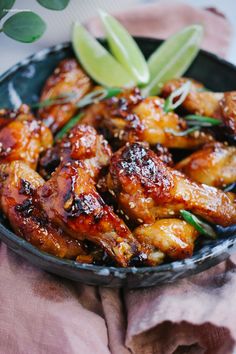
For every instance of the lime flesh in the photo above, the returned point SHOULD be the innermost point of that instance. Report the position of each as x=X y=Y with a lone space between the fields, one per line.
x=173 y=57
x=97 y=61
x=125 y=49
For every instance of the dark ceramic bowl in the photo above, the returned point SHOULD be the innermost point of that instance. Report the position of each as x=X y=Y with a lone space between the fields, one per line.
x=24 y=81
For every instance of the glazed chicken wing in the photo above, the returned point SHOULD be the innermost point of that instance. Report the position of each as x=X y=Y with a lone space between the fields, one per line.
x=67 y=78
x=228 y=109
x=214 y=165
x=81 y=143
x=17 y=200
x=147 y=189
x=24 y=138
x=20 y=114
x=173 y=237
x=71 y=201
x=212 y=104
x=130 y=118
x=198 y=101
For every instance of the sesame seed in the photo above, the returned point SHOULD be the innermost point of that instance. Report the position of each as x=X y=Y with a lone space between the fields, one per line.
x=140 y=220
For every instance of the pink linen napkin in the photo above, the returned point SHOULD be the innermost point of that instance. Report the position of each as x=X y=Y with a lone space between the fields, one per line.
x=164 y=18
x=44 y=314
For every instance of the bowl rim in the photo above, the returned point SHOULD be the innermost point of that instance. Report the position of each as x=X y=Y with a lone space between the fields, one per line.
x=192 y=262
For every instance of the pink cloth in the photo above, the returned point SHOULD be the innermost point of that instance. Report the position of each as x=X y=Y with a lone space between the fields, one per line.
x=164 y=18
x=44 y=314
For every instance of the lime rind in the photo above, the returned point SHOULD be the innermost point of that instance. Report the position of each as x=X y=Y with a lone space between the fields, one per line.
x=173 y=57
x=97 y=61
x=125 y=49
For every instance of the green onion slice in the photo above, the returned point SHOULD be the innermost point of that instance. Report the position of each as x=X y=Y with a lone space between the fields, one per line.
x=98 y=95
x=230 y=187
x=183 y=133
x=92 y=97
x=202 y=121
x=67 y=127
x=180 y=93
x=60 y=99
x=201 y=226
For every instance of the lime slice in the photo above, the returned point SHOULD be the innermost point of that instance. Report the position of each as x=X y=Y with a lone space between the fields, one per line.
x=173 y=57
x=97 y=61
x=125 y=49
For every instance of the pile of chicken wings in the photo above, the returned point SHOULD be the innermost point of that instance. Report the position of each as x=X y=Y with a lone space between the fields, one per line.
x=111 y=190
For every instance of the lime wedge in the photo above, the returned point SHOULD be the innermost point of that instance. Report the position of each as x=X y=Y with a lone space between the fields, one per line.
x=173 y=57
x=97 y=61
x=125 y=49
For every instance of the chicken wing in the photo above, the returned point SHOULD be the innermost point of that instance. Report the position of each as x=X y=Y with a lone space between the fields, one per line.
x=71 y=201
x=212 y=104
x=173 y=237
x=214 y=165
x=228 y=109
x=198 y=101
x=17 y=200
x=147 y=189
x=130 y=118
x=24 y=138
x=68 y=77
x=81 y=143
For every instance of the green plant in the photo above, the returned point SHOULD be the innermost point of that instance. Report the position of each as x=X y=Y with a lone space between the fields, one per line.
x=27 y=26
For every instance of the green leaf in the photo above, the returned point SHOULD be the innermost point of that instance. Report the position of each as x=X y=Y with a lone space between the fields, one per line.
x=204 y=121
x=25 y=26
x=72 y=122
x=173 y=58
x=200 y=226
x=54 y=4
x=5 y=5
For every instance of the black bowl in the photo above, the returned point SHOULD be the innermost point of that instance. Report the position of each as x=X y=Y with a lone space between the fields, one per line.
x=25 y=80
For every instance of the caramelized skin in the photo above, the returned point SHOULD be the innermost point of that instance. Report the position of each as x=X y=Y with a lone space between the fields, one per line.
x=214 y=165
x=228 y=107
x=24 y=139
x=18 y=185
x=147 y=189
x=130 y=118
x=72 y=202
x=201 y=102
x=9 y=115
x=68 y=77
x=173 y=237
x=81 y=143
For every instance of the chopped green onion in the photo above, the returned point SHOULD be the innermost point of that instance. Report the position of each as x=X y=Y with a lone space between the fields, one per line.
x=183 y=133
x=230 y=187
x=201 y=226
x=92 y=97
x=98 y=95
x=180 y=93
x=72 y=122
x=60 y=99
x=202 y=121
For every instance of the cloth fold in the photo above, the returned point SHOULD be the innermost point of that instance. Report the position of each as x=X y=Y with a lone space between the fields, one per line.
x=42 y=313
